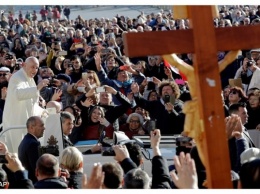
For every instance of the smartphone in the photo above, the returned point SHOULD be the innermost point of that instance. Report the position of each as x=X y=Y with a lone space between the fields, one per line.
x=149 y=79
x=62 y=53
x=166 y=98
x=79 y=45
x=172 y=99
x=3 y=160
x=84 y=75
x=100 y=89
x=81 y=89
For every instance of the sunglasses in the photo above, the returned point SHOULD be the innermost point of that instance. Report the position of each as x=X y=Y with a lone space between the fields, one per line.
x=2 y=74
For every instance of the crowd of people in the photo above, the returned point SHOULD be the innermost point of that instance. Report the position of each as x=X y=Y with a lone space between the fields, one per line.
x=79 y=67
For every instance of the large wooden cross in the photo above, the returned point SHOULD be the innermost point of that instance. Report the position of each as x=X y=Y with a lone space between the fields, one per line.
x=205 y=41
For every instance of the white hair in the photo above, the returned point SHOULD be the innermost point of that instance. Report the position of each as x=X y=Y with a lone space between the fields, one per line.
x=135 y=115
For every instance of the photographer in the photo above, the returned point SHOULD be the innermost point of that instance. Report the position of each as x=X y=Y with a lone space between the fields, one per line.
x=16 y=174
x=251 y=74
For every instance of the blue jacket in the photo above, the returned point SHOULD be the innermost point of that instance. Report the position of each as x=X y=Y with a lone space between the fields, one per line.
x=123 y=87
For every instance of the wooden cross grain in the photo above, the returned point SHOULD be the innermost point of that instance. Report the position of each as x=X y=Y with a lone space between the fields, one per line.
x=205 y=41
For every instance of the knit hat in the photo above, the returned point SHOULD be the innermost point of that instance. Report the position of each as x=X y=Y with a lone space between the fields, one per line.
x=64 y=77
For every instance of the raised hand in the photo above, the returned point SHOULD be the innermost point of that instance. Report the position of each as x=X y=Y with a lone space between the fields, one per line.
x=186 y=177
x=87 y=103
x=121 y=152
x=96 y=178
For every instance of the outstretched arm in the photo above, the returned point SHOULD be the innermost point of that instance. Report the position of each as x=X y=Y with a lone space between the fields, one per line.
x=174 y=60
x=229 y=58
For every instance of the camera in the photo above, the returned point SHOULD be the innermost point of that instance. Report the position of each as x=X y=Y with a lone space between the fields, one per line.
x=107 y=151
x=249 y=63
x=183 y=145
x=9 y=56
x=16 y=66
x=52 y=81
x=49 y=149
x=3 y=160
x=94 y=48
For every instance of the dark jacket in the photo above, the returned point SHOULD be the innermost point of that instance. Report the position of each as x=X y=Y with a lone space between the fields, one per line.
x=75 y=180
x=66 y=141
x=160 y=173
x=125 y=87
x=112 y=112
x=51 y=183
x=28 y=154
x=234 y=150
x=168 y=123
x=18 y=179
x=127 y=165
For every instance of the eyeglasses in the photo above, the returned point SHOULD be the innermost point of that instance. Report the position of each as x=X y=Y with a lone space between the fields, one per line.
x=134 y=121
x=2 y=74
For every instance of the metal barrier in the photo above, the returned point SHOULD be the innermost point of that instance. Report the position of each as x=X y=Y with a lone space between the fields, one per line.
x=12 y=137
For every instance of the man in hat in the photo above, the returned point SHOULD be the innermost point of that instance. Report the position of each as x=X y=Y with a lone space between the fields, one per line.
x=4 y=73
x=255 y=53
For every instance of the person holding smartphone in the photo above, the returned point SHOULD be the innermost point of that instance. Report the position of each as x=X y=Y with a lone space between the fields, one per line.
x=171 y=119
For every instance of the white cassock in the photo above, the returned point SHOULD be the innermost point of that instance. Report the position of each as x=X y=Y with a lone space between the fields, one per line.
x=255 y=81
x=20 y=104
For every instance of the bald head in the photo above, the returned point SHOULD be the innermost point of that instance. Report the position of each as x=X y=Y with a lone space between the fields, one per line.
x=31 y=66
x=47 y=165
x=54 y=104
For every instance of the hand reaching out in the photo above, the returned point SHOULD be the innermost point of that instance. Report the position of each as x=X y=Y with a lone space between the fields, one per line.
x=3 y=148
x=57 y=94
x=121 y=152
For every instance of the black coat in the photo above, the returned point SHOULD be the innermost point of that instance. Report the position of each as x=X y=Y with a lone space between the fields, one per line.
x=18 y=179
x=50 y=183
x=28 y=154
x=160 y=173
x=168 y=123
x=233 y=150
x=75 y=180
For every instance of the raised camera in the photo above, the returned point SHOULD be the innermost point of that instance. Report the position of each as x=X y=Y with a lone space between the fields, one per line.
x=107 y=151
x=249 y=63
x=3 y=160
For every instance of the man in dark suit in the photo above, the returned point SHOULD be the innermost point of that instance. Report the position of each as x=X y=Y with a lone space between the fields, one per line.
x=28 y=148
x=48 y=173
x=240 y=110
x=67 y=124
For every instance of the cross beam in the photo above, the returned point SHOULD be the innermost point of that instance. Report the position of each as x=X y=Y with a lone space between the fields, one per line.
x=164 y=42
x=205 y=41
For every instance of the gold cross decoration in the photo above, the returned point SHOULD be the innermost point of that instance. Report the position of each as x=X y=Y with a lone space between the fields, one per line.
x=204 y=113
